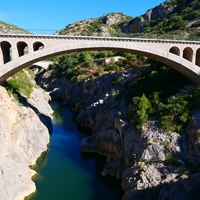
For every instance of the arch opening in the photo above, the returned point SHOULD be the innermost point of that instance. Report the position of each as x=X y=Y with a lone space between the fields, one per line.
x=6 y=51
x=22 y=48
x=198 y=57
x=175 y=50
x=37 y=46
x=188 y=54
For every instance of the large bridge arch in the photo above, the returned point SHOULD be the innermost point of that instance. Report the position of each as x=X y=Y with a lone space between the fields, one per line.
x=184 y=66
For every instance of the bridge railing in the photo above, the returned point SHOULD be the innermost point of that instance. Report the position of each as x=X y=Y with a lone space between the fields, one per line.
x=158 y=36
x=180 y=36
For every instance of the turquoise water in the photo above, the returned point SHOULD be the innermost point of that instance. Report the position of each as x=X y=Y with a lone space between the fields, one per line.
x=64 y=173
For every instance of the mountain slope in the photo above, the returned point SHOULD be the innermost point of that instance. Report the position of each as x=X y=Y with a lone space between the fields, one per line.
x=6 y=28
x=180 y=17
x=105 y=25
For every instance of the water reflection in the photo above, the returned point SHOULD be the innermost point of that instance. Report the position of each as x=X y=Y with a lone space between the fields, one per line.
x=58 y=116
x=41 y=161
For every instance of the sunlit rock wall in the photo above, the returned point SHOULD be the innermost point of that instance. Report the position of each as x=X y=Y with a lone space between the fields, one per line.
x=23 y=137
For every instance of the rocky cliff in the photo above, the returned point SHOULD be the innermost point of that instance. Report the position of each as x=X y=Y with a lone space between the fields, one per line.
x=137 y=24
x=153 y=163
x=113 y=23
x=23 y=137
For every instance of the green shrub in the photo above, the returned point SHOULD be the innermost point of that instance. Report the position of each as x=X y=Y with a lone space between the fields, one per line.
x=20 y=83
x=174 y=114
x=151 y=89
x=100 y=71
x=118 y=81
x=172 y=160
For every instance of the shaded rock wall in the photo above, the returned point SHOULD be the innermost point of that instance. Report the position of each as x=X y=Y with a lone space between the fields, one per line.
x=137 y=24
x=140 y=157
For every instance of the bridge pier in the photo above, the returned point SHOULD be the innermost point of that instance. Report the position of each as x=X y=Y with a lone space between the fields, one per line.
x=30 y=49
x=14 y=53
x=194 y=59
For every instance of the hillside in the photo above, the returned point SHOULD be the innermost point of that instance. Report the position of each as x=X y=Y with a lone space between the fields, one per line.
x=173 y=17
x=6 y=28
x=106 y=25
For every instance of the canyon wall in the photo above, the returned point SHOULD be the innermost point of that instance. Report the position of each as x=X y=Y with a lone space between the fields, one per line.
x=152 y=163
x=23 y=137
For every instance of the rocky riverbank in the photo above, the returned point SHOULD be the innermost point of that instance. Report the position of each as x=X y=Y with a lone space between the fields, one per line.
x=24 y=135
x=153 y=163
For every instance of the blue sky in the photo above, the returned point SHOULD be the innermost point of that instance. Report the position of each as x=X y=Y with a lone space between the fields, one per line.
x=46 y=15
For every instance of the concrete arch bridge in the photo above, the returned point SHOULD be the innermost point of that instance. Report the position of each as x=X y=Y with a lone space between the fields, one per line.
x=20 y=51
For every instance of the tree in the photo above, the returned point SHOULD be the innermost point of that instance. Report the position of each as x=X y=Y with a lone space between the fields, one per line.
x=143 y=110
x=174 y=114
x=85 y=57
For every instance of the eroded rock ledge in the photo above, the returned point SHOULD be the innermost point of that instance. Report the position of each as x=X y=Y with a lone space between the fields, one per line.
x=23 y=137
x=139 y=157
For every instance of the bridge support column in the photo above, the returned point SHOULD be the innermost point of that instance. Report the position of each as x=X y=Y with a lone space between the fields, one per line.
x=14 y=54
x=30 y=49
x=194 y=59
x=181 y=54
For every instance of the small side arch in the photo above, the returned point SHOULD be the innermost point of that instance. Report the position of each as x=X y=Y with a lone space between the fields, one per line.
x=188 y=54
x=6 y=51
x=175 y=50
x=37 y=46
x=198 y=57
x=22 y=48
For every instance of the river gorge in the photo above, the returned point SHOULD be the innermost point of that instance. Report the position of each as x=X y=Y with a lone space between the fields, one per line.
x=75 y=162
x=64 y=172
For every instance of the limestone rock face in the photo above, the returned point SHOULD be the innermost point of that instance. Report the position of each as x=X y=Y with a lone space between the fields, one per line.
x=159 y=12
x=191 y=145
x=22 y=139
x=135 y=26
x=111 y=19
x=143 y=181
x=103 y=31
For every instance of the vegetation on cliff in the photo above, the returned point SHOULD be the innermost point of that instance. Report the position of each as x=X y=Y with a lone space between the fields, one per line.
x=173 y=19
x=91 y=65
x=182 y=19
x=6 y=28
x=157 y=91
x=20 y=84
x=109 y=24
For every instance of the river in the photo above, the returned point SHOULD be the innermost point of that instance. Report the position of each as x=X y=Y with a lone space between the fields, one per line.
x=64 y=172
